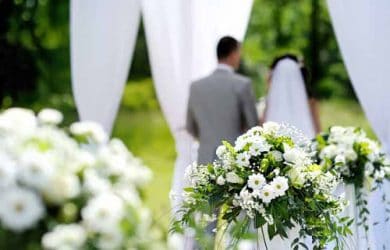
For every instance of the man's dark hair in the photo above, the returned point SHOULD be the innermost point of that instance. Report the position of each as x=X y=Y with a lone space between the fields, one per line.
x=226 y=46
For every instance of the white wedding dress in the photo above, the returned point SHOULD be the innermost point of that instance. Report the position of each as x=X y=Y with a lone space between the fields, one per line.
x=287 y=100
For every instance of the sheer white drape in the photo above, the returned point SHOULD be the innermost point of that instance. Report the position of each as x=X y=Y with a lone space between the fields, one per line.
x=363 y=34
x=182 y=38
x=103 y=35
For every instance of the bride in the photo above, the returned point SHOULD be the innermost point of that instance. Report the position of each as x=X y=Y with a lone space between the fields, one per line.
x=289 y=99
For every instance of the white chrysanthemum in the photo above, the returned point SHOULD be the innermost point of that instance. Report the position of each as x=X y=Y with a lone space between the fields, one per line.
x=20 y=209
x=50 y=116
x=267 y=194
x=240 y=143
x=221 y=151
x=138 y=174
x=129 y=194
x=103 y=212
x=197 y=175
x=256 y=181
x=258 y=147
x=8 y=171
x=279 y=185
x=245 y=196
x=110 y=240
x=62 y=187
x=243 y=159
x=95 y=184
x=72 y=236
x=19 y=120
x=232 y=177
x=35 y=169
x=91 y=130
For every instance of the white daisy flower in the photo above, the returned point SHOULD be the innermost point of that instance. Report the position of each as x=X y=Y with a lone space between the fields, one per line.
x=20 y=209
x=280 y=185
x=267 y=194
x=243 y=159
x=71 y=236
x=256 y=181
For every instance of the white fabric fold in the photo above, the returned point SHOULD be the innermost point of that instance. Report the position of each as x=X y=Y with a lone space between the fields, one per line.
x=103 y=35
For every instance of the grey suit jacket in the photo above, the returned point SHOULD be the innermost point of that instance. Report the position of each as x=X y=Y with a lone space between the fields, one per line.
x=220 y=107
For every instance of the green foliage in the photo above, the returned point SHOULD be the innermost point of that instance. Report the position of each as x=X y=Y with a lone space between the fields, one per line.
x=140 y=95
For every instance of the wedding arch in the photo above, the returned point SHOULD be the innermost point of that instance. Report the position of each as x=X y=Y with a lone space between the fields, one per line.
x=181 y=38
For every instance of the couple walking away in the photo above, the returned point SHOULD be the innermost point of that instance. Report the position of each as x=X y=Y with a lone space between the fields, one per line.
x=222 y=105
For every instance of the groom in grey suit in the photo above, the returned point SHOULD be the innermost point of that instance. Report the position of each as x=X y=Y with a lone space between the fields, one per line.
x=221 y=106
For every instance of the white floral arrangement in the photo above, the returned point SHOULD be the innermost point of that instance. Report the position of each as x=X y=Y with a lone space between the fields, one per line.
x=359 y=160
x=267 y=179
x=68 y=189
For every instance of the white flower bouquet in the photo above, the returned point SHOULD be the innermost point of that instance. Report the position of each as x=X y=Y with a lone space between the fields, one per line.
x=266 y=179
x=68 y=189
x=358 y=159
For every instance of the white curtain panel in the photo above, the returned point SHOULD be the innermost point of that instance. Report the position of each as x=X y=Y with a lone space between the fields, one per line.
x=181 y=38
x=363 y=34
x=103 y=35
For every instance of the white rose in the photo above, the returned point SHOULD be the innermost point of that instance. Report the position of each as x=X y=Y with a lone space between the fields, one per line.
x=294 y=155
x=270 y=127
x=277 y=155
x=340 y=159
x=296 y=177
x=351 y=155
x=221 y=181
x=232 y=177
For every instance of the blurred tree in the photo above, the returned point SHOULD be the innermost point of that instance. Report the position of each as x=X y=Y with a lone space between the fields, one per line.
x=301 y=27
x=34 y=48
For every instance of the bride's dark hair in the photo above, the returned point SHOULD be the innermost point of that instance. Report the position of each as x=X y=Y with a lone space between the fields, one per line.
x=304 y=70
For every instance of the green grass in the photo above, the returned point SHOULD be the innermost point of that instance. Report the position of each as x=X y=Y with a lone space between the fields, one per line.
x=343 y=113
x=147 y=135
